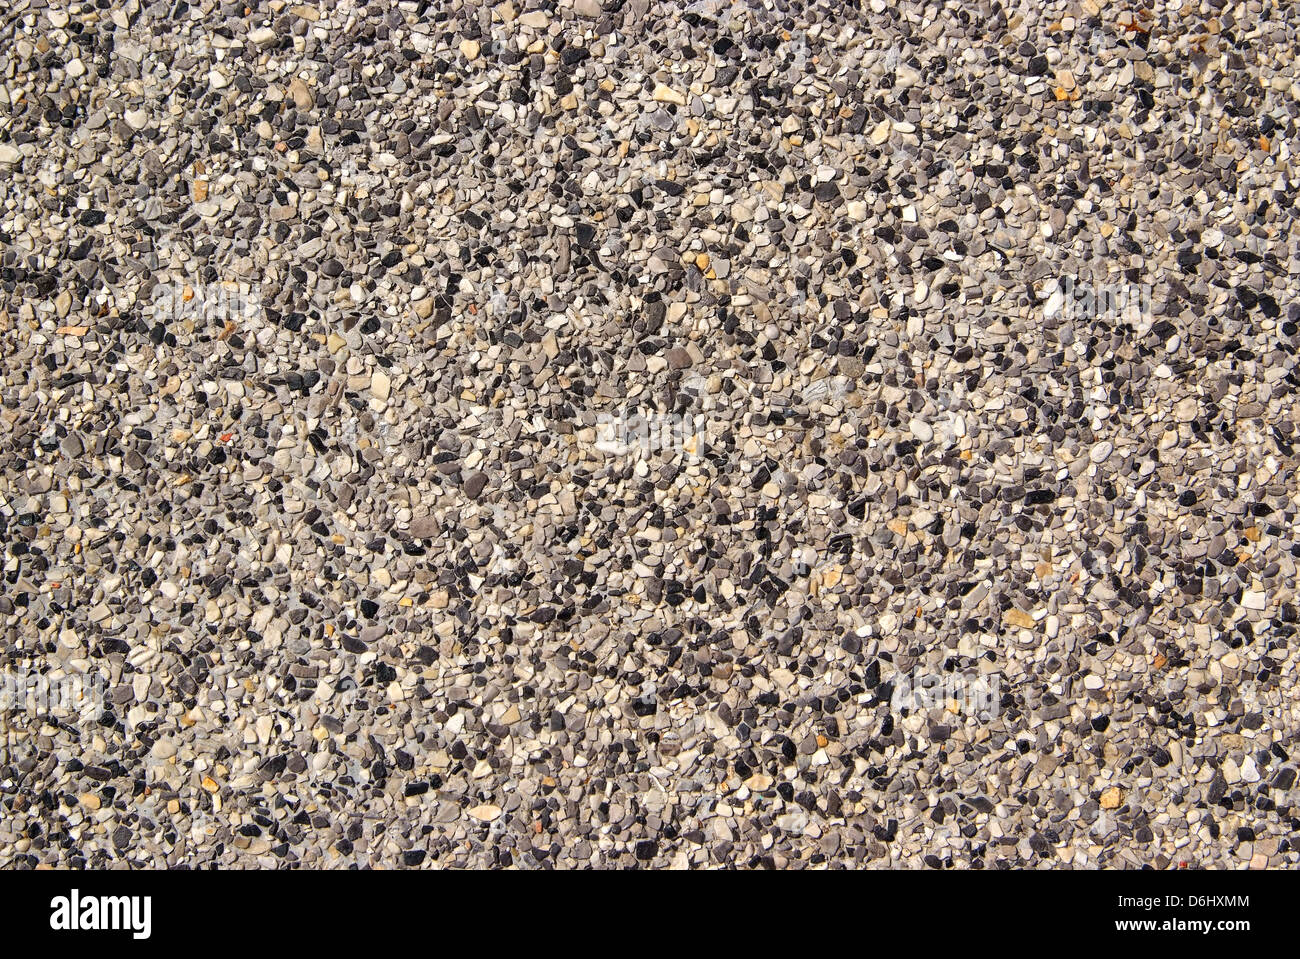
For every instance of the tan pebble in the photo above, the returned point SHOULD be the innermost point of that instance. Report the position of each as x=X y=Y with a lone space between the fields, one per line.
x=1018 y=617
x=666 y=94
x=301 y=95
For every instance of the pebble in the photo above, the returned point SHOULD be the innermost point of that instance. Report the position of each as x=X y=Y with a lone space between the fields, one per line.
x=486 y=812
x=666 y=94
x=301 y=94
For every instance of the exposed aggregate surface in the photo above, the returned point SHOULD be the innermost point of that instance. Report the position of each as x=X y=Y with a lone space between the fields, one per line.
x=365 y=588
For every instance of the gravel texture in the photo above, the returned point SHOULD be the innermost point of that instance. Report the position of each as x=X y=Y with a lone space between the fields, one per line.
x=323 y=326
